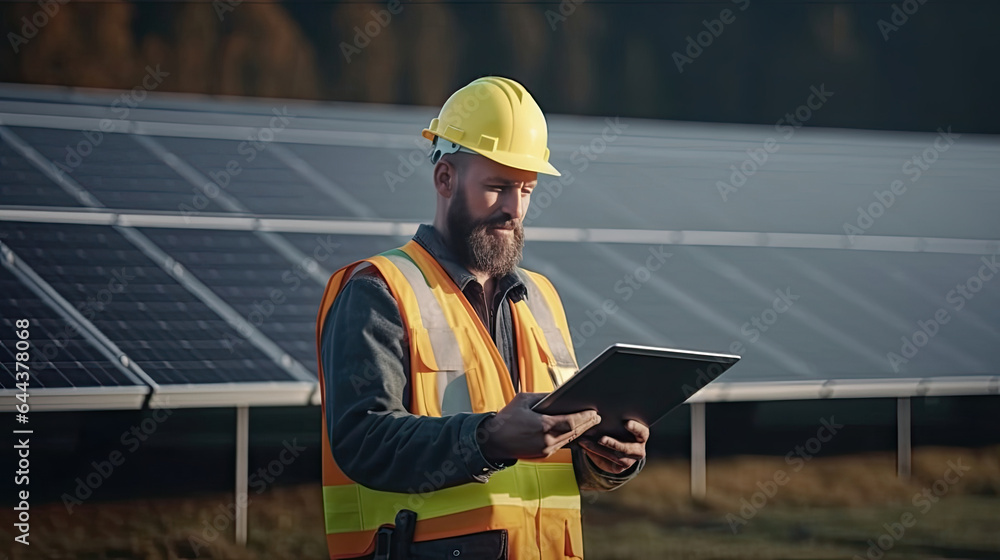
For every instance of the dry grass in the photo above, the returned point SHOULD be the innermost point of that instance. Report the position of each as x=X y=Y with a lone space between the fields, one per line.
x=850 y=481
x=828 y=509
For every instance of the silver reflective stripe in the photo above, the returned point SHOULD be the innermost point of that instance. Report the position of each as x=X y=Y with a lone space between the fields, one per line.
x=452 y=386
x=543 y=316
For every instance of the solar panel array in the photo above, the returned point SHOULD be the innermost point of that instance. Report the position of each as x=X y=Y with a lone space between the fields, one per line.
x=195 y=238
x=75 y=363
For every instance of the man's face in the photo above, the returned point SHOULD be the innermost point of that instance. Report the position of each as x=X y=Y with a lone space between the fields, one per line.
x=484 y=217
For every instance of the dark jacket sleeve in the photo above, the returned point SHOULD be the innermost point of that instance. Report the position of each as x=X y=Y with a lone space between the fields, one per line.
x=590 y=477
x=375 y=440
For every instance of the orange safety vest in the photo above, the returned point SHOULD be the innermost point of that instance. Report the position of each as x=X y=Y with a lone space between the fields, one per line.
x=456 y=367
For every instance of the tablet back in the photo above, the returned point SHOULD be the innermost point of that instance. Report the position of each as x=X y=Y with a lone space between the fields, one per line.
x=629 y=382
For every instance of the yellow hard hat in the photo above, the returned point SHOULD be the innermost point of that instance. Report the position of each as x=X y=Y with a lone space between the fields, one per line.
x=496 y=118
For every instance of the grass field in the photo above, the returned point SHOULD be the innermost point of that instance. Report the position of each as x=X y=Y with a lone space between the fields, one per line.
x=829 y=508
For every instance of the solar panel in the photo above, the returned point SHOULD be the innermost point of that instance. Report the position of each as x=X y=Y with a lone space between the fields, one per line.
x=342 y=249
x=161 y=326
x=336 y=163
x=837 y=313
x=395 y=183
x=266 y=289
x=116 y=170
x=254 y=176
x=59 y=357
x=21 y=184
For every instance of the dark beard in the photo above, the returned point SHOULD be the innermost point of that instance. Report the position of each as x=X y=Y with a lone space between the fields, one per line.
x=478 y=249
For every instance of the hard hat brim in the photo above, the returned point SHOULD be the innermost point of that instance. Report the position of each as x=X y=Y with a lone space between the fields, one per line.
x=517 y=161
x=520 y=161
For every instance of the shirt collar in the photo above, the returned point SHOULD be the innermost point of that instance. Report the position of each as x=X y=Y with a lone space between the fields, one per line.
x=431 y=240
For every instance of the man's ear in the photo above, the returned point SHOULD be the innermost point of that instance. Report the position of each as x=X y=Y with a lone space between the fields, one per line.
x=445 y=178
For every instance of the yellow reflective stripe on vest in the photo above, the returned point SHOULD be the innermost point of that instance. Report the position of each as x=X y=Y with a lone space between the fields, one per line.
x=354 y=507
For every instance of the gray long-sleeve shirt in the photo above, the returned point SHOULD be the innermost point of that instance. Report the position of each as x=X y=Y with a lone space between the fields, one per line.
x=375 y=440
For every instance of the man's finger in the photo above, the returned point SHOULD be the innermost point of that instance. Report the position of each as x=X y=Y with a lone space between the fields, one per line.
x=565 y=423
x=638 y=429
x=604 y=452
x=631 y=450
x=577 y=431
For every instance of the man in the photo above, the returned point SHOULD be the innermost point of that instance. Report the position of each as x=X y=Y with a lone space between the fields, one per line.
x=432 y=354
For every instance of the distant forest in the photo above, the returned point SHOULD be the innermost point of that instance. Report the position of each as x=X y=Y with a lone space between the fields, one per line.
x=905 y=65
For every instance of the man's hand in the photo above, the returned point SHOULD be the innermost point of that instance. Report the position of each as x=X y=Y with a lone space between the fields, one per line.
x=517 y=432
x=615 y=456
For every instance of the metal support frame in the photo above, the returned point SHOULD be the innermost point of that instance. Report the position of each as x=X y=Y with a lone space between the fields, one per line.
x=904 y=456
x=242 y=468
x=698 y=478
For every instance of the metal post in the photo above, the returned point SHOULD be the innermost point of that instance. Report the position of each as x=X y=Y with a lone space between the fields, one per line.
x=242 y=450
x=698 y=484
x=903 y=450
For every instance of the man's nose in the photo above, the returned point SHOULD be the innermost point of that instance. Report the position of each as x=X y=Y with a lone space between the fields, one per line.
x=512 y=203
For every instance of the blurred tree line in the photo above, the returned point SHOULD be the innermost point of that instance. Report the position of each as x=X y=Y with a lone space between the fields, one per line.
x=896 y=65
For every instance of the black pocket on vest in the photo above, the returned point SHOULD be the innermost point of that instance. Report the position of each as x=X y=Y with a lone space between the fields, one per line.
x=487 y=545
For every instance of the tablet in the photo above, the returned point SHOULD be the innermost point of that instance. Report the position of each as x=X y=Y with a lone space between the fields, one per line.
x=629 y=382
